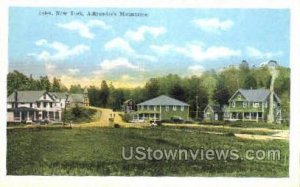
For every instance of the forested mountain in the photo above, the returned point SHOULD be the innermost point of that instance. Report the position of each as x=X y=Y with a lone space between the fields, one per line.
x=214 y=86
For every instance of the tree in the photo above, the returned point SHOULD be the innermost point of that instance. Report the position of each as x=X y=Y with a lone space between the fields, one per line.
x=244 y=66
x=76 y=89
x=177 y=92
x=104 y=94
x=56 y=85
x=195 y=91
x=152 y=88
x=44 y=83
x=249 y=82
x=93 y=96
x=221 y=94
x=17 y=81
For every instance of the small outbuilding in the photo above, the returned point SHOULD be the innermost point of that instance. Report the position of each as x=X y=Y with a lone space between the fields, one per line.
x=213 y=113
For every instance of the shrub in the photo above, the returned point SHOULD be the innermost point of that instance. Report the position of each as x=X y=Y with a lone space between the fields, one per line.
x=79 y=114
x=117 y=125
x=230 y=134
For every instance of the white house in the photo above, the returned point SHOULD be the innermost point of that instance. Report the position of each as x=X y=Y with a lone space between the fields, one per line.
x=29 y=106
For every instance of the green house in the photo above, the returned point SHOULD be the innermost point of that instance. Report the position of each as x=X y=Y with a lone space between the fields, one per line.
x=252 y=105
x=162 y=108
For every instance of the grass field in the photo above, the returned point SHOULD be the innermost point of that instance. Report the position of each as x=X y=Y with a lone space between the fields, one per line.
x=97 y=151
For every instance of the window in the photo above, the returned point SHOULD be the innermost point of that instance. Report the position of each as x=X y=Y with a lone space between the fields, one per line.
x=233 y=104
x=50 y=105
x=30 y=105
x=44 y=96
x=182 y=108
x=239 y=97
x=174 y=108
x=13 y=105
x=45 y=104
x=38 y=104
x=167 y=108
x=244 y=104
x=255 y=105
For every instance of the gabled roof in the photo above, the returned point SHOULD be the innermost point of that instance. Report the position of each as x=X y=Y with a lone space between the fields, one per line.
x=214 y=108
x=255 y=95
x=163 y=100
x=129 y=100
x=26 y=96
x=77 y=98
x=59 y=95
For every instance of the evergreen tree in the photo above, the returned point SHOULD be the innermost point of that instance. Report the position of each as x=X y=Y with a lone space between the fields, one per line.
x=152 y=88
x=249 y=82
x=221 y=94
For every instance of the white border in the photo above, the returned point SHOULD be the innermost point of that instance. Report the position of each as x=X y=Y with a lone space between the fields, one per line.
x=293 y=180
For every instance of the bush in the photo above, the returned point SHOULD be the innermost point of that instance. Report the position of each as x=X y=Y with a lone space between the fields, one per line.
x=230 y=134
x=79 y=114
x=117 y=125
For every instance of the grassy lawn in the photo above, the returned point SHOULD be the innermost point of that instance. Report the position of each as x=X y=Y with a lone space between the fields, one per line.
x=97 y=151
x=245 y=124
x=223 y=130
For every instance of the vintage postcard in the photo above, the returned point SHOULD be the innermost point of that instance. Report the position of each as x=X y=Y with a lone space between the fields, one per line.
x=174 y=92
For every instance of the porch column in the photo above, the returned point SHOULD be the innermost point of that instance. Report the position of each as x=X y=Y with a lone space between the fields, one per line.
x=160 y=112
x=59 y=116
x=20 y=117
x=27 y=115
x=256 y=116
x=243 y=115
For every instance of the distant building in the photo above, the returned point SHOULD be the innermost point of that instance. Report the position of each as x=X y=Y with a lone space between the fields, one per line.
x=162 y=108
x=252 y=105
x=213 y=113
x=30 y=106
x=129 y=106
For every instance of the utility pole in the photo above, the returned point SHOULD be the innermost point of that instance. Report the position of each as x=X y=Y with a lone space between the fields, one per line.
x=197 y=108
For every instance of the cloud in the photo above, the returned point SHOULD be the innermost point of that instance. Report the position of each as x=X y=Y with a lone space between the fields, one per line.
x=213 y=24
x=161 y=49
x=139 y=34
x=197 y=52
x=126 y=78
x=146 y=57
x=119 y=44
x=196 y=69
x=115 y=64
x=253 y=52
x=84 y=29
x=62 y=51
x=50 y=69
x=73 y=71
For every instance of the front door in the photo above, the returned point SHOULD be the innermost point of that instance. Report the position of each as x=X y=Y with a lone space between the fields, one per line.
x=216 y=116
x=23 y=116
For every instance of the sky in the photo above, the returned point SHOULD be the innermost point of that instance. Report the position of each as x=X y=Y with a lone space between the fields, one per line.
x=78 y=48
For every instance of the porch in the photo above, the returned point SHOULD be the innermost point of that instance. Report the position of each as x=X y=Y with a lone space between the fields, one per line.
x=148 y=116
x=245 y=116
x=29 y=115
